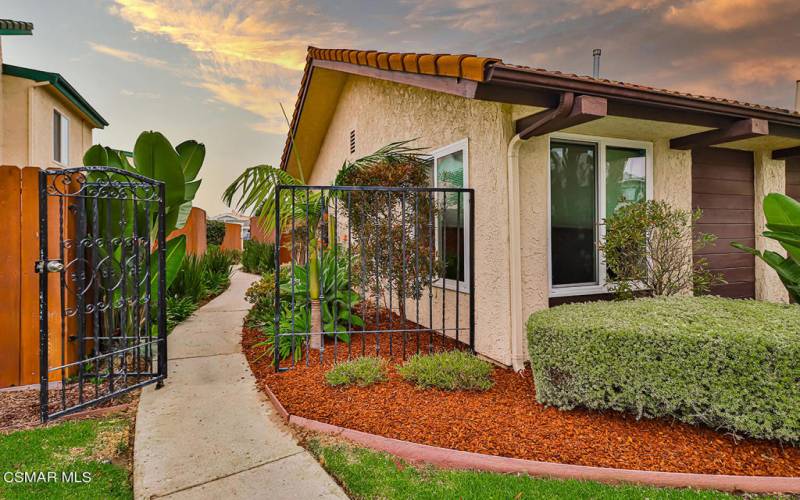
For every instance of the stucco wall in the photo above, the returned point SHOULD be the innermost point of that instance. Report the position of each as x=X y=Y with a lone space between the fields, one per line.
x=29 y=107
x=770 y=177
x=382 y=112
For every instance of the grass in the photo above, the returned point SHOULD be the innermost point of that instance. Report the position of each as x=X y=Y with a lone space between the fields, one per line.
x=452 y=371
x=88 y=448
x=361 y=371
x=366 y=474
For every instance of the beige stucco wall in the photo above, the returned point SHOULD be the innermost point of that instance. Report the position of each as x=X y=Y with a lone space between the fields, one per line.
x=28 y=124
x=382 y=112
x=770 y=177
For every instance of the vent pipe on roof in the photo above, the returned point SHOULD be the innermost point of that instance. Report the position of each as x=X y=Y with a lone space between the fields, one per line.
x=596 y=63
x=797 y=96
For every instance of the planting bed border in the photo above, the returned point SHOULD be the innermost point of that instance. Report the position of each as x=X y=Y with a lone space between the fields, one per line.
x=457 y=459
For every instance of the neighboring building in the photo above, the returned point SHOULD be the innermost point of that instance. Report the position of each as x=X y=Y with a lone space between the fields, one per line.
x=44 y=121
x=549 y=155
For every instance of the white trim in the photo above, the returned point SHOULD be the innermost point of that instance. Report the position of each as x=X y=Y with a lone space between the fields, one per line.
x=462 y=145
x=601 y=143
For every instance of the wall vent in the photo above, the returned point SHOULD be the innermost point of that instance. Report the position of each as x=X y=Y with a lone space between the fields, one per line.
x=352 y=142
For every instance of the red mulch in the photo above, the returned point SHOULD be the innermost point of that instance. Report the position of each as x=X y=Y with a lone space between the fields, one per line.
x=507 y=421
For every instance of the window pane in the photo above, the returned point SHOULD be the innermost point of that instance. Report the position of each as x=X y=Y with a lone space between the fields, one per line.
x=450 y=173
x=626 y=177
x=573 y=213
x=56 y=136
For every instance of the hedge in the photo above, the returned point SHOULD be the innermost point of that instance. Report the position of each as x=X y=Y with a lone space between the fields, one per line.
x=729 y=364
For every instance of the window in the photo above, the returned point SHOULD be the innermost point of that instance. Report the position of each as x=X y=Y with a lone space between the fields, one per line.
x=590 y=178
x=60 y=138
x=450 y=169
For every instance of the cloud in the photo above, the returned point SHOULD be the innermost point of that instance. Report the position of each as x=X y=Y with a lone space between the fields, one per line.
x=142 y=95
x=730 y=15
x=126 y=56
x=247 y=54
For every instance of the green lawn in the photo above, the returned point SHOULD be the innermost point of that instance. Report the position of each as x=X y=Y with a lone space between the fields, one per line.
x=87 y=448
x=368 y=474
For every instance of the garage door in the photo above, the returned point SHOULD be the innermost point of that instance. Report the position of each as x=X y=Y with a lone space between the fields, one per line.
x=722 y=186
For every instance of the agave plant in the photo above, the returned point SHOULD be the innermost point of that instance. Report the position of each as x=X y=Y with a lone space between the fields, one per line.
x=783 y=224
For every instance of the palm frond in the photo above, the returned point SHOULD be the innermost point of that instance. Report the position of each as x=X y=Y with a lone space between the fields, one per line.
x=395 y=153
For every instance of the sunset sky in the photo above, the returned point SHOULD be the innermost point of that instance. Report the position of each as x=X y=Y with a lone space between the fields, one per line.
x=216 y=71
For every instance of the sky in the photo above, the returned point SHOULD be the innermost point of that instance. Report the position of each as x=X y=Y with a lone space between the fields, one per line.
x=218 y=70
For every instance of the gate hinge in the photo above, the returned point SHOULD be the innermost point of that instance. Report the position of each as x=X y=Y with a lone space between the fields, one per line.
x=49 y=266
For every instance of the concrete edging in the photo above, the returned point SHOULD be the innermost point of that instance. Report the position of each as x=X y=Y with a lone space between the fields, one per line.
x=457 y=459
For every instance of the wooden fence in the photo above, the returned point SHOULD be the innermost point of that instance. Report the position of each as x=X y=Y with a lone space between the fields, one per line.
x=19 y=284
x=233 y=237
x=195 y=231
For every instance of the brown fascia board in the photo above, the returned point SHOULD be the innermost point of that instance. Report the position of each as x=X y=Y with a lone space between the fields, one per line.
x=445 y=84
x=503 y=75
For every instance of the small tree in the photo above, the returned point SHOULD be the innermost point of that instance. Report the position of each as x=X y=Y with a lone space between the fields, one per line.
x=392 y=229
x=215 y=232
x=652 y=243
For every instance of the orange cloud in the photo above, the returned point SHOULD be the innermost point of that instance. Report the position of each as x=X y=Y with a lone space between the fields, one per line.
x=126 y=56
x=730 y=15
x=249 y=54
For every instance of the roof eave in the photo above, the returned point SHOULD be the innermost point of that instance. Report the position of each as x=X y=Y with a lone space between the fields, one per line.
x=501 y=74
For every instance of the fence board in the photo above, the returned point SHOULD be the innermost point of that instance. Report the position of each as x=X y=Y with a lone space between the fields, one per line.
x=10 y=277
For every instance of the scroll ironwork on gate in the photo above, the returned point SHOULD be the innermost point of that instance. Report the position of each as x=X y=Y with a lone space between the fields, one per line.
x=102 y=286
x=380 y=271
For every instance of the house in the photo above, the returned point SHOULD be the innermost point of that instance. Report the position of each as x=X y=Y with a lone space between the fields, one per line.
x=44 y=120
x=549 y=155
x=234 y=218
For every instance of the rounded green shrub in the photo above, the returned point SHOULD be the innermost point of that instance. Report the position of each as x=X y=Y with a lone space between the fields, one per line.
x=363 y=371
x=452 y=371
x=729 y=364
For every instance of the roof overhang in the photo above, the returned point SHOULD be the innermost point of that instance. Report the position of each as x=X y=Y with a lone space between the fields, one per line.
x=61 y=85
x=719 y=121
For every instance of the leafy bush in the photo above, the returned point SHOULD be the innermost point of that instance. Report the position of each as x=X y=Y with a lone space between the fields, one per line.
x=783 y=224
x=647 y=242
x=452 y=370
x=178 y=309
x=215 y=232
x=258 y=257
x=726 y=363
x=190 y=282
x=361 y=371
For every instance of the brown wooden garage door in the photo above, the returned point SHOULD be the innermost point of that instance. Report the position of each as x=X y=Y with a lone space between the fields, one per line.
x=793 y=178
x=722 y=186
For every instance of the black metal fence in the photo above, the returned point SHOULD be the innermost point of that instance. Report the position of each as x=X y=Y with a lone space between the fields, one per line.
x=107 y=321
x=385 y=271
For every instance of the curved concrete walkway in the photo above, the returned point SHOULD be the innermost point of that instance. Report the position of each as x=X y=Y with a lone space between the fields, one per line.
x=209 y=432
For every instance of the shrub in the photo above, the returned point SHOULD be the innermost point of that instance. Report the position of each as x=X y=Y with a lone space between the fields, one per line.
x=726 y=363
x=361 y=371
x=178 y=309
x=648 y=242
x=258 y=257
x=452 y=370
x=215 y=232
x=190 y=281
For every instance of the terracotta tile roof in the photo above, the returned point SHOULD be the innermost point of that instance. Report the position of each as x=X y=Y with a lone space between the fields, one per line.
x=465 y=66
x=617 y=83
x=478 y=69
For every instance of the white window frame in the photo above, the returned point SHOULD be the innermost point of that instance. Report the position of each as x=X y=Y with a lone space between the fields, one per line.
x=601 y=143
x=462 y=145
x=64 y=139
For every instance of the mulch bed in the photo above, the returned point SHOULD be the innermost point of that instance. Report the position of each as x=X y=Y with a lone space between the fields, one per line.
x=20 y=408
x=507 y=421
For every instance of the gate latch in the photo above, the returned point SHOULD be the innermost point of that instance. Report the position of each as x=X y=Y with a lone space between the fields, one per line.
x=49 y=266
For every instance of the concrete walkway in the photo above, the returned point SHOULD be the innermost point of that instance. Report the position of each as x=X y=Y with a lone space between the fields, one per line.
x=209 y=432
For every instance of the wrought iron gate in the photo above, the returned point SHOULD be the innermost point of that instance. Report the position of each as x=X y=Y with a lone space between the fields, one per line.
x=372 y=271
x=102 y=286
